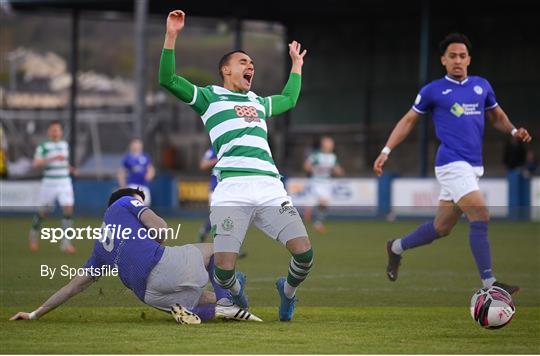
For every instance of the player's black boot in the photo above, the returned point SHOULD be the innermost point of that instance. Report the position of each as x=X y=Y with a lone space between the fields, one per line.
x=394 y=260
x=507 y=287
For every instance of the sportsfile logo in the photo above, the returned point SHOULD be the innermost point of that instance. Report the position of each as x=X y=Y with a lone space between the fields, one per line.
x=108 y=232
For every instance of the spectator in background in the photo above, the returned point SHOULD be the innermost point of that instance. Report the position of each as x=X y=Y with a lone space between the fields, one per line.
x=515 y=153
x=531 y=163
x=137 y=170
x=3 y=154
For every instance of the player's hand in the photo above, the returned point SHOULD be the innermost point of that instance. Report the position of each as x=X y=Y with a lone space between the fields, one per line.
x=20 y=316
x=175 y=21
x=74 y=171
x=523 y=135
x=294 y=51
x=379 y=163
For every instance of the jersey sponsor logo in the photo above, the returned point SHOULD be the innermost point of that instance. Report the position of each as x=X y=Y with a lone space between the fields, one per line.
x=418 y=99
x=465 y=109
x=136 y=203
x=446 y=91
x=227 y=224
x=478 y=89
x=457 y=110
x=249 y=113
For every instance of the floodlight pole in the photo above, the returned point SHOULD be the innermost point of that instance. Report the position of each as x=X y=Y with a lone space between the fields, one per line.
x=423 y=78
x=238 y=39
x=139 y=110
x=72 y=106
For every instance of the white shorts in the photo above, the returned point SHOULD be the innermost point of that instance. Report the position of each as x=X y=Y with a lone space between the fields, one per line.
x=239 y=201
x=50 y=192
x=145 y=190
x=457 y=179
x=178 y=277
x=322 y=189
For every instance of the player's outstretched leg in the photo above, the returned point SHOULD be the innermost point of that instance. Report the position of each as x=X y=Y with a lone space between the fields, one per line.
x=423 y=235
x=299 y=268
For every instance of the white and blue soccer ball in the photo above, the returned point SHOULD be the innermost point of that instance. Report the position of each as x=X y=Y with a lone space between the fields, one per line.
x=492 y=308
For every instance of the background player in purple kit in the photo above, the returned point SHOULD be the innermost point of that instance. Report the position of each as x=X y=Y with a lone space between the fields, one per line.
x=167 y=278
x=208 y=161
x=137 y=170
x=459 y=104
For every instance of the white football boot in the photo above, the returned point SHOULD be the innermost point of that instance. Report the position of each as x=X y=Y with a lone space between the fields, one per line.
x=184 y=316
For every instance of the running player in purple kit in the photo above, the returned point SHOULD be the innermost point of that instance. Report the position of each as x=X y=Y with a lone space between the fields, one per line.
x=166 y=278
x=137 y=170
x=458 y=104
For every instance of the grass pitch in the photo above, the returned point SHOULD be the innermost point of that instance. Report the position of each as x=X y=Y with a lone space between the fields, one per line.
x=346 y=306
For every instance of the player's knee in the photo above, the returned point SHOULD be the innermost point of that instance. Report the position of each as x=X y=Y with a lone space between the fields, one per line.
x=480 y=213
x=225 y=260
x=299 y=245
x=443 y=229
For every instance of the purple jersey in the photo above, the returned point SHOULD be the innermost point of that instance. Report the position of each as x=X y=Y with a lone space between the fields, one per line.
x=134 y=257
x=137 y=167
x=458 y=115
x=208 y=155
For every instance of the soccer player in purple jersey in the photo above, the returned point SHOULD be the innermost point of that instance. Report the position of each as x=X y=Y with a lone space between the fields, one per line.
x=166 y=278
x=458 y=103
x=137 y=170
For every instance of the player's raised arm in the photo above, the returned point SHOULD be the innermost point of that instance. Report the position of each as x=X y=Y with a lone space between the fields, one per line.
x=402 y=129
x=178 y=86
x=74 y=287
x=501 y=122
x=289 y=96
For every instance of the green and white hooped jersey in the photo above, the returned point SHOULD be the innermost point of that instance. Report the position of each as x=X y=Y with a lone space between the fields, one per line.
x=236 y=123
x=54 y=171
x=322 y=164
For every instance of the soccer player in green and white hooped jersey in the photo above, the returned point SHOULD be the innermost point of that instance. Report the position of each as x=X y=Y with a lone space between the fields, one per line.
x=322 y=164
x=53 y=157
x=249 y=189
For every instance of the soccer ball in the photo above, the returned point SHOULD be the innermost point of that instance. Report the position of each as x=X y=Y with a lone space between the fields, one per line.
x=492 y=308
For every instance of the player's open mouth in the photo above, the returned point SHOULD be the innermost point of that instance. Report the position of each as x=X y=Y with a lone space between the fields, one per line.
x=248 y=77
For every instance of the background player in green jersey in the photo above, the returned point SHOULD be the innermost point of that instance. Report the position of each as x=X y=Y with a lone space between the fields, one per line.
x=249 y=189
x=52 y=156
x=321 y=165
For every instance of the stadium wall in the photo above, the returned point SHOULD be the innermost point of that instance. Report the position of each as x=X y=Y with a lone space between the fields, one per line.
x=516 y=197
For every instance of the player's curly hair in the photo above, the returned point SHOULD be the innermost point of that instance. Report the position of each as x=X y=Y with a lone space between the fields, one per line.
x=225 y=59
x=454 y=37
x=124 y=192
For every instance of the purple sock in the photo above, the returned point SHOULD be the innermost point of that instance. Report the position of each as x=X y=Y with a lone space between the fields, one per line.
x=205 y=312
x=220 y=292
x=423 y=235
x=478 y=239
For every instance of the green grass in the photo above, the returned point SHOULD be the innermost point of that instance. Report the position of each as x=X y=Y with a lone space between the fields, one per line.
x=346 y=305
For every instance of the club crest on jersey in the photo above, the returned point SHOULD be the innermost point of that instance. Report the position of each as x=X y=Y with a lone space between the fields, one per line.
x=249 y=113
x=478 y=89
